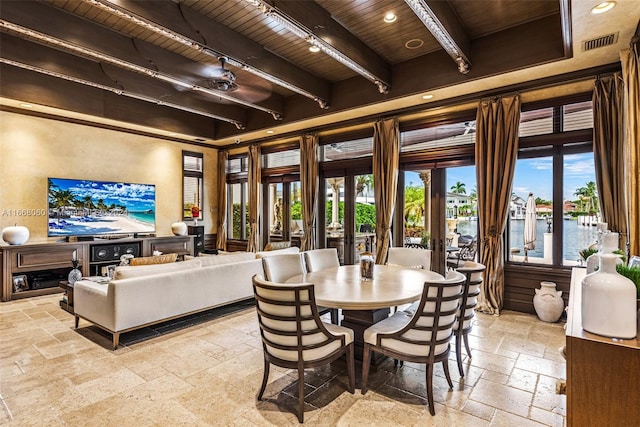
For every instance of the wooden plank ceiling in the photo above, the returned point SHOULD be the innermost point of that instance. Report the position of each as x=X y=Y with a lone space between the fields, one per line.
x=162 y=58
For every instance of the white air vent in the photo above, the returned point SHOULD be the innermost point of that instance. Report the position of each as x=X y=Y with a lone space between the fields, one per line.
x=601 y=41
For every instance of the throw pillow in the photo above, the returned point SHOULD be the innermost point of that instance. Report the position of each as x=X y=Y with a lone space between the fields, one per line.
x=231 y=257
x=156 y=259
x=127 y=272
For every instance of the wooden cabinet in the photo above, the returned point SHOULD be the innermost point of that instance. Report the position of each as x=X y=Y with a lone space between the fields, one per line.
x=603 y=374
x=37 y=268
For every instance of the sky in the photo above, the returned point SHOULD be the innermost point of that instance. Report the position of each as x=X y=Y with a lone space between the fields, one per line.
x=136 y=197
x=531 y=175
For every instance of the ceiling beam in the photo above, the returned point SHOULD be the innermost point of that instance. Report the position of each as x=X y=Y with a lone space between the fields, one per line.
x=80 y=37
x=440 y=19
x=312 y=22
x=210 y=37
x=32 y=56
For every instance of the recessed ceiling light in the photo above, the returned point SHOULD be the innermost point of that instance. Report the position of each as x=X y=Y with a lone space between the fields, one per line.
x=390 y=17
x=427 y=96
x=25 y=105
x=603 y=7
x=314 y=49
x=414 y=44
x=270 y=131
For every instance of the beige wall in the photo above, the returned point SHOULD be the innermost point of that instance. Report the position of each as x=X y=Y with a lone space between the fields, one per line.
x=33 y=149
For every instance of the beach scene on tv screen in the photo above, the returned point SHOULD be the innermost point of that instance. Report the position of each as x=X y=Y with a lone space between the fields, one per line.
x=83 y=207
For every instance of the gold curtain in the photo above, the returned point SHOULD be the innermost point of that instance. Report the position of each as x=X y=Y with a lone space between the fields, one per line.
x=631 y=74
x=221 y=224
x=386 y=160
x=497 y=122
x=608 y=134
x=253 y=190
x=309 y=193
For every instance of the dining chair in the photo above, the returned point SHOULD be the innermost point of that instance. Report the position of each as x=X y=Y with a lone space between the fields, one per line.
x=321 y=259
x=461 y=328
x=280 y=268
x=294 y=336
x=410 y=257
x=466 y=253
x=423 y=337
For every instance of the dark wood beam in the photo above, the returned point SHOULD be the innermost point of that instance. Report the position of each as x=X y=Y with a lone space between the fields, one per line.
x=29 y=86
x=452 y=25
x=323 y=26
x=30 y=54
x=225 y=41
x=68 y=28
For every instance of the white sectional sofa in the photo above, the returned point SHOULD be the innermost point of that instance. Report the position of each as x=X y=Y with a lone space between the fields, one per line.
x=143 y=295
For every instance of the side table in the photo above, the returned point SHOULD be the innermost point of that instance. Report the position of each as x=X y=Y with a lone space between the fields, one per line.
x=66 y=303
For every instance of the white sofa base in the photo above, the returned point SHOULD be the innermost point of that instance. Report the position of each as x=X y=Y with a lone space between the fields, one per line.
x=137 y=302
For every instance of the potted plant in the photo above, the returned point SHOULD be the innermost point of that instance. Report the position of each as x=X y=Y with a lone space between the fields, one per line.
x=632 y=273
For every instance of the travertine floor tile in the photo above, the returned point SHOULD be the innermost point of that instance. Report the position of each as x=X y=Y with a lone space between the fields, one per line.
x=207 y=373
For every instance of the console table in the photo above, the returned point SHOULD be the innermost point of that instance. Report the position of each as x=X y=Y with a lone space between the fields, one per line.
x=36 y=269
x=603 y=374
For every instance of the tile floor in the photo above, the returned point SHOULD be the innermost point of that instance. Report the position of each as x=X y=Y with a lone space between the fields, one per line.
x=207 y=374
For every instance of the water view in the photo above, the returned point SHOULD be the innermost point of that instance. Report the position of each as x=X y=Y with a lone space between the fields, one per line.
x=575 y=238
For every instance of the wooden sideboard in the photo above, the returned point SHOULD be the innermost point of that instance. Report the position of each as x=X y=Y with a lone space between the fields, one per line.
x=603 y=374
x=40 y=266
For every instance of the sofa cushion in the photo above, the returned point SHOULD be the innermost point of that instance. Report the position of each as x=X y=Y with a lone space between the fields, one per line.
x=156 y=259
x=127 y=272
x=227 y=258
x=291 y=250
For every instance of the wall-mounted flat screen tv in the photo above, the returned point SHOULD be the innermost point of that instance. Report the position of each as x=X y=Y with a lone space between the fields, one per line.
x=80 y=207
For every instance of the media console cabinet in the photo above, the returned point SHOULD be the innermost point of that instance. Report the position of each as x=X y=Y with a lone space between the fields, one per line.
x=36 y=269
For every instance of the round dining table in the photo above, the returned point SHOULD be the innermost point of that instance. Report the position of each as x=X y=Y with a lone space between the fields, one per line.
x=365 y=302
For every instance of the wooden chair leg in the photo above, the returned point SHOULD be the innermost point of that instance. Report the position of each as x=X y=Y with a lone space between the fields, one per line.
x=366 y=361
x=429 y=374
x=459 y=355
x=265 y=378
x=466 y=343
x=351 y=368
x=116 y=340
x=77 y=321
x=445 y=367
x=300 y=393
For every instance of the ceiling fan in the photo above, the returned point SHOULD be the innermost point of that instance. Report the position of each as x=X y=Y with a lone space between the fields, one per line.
x=469 y=127
x=225 y=80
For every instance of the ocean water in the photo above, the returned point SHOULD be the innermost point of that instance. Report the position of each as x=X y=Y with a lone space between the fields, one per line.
x=147 y=218
x=575 y=237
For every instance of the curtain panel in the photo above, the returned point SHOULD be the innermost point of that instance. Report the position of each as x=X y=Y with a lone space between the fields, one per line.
x=309 y=191
x=631 y=76
x=497 y=122
x=221 y=223
x=253 y=184
x=608 y=152
x=386 y=162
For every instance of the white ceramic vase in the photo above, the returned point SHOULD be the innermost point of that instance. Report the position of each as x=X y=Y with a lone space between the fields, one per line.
x=15 y=235
x=548 y=302
x=179 y=228
x=609 y=301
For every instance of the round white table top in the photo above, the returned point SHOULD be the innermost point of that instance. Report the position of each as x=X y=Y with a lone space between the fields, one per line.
x=341 y=287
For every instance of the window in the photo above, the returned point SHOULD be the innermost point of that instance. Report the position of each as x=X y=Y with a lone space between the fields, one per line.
x=558 y=169
x=237 y=198
x=192 y=185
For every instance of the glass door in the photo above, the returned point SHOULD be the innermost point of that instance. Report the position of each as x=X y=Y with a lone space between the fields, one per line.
x=440 y=213
x=349 y=216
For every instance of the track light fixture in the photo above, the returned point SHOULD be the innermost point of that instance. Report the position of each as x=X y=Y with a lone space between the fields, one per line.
x=433 y=24
x=306 y=34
